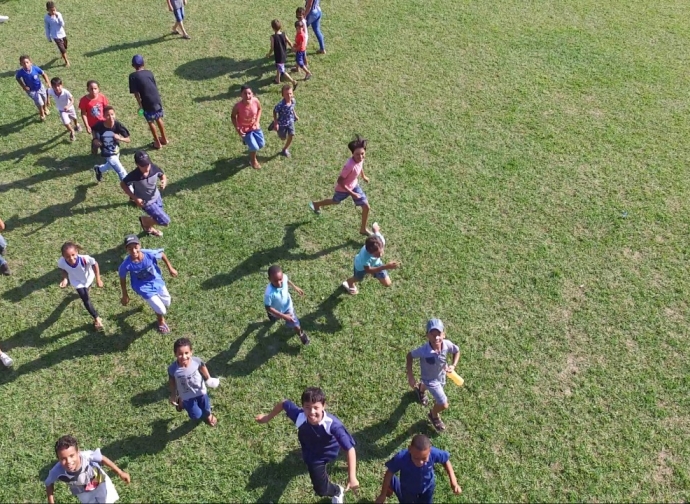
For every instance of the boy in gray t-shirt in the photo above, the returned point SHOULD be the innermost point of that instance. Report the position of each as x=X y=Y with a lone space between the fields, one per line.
x=187 y=380
x=433 y=364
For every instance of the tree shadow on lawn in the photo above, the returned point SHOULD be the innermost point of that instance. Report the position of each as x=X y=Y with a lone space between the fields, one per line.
x=55 y=169
x=223 y=170
x=52 y=213
x=263 y=258
x=274 y=477
x=87 y=346
x=129 y=45
x=18 y=125
x=19 y=154
x=11 y=73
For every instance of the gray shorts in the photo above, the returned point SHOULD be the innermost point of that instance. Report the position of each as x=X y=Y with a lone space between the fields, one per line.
x=436 y=390
x=39 y=97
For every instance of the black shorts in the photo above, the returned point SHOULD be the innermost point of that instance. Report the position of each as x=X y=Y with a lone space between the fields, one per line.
x=61 y=44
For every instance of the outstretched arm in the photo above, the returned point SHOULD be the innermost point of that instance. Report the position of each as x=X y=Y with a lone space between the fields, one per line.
x=387 y=478
x=121 y=474
x=50 y=490
x=408 y=368
x=451 y=476
x=297 y=289
x=352 y=483
x=274 y=412
x=165 y=259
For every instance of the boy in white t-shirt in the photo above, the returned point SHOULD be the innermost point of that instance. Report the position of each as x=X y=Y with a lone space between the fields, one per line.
x=80 y=271
x=64 y=101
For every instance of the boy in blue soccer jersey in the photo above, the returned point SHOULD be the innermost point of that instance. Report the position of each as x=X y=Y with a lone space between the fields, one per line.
x=321 y=436
x=29 y=79
x=278 y=301
x=146 y=278
x=417 y=480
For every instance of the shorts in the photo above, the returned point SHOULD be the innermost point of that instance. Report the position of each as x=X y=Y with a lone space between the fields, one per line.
x=105 y=493
x=254 y=140
x=198 y=407
x=284 y=131
x=61 y=44
x=280 y=67
x=67 y=116
x=154 y=209
x=301 y=58
x=153 y=116
x=426 y=497
x=360 y=274
x=342 y=196
x=40 y=97
x=436 y=390
x=290 y=312
x=179 y=14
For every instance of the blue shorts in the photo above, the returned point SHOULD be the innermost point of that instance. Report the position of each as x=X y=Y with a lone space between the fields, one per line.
x=284 y=131
x=254 y=140
x=301 y=58
x=427 y=497
x=153 y=116
x=154 y=209
x=179 y=14
x=290 y=312
x=360 y=274
x=342 y=196
x=198 y=407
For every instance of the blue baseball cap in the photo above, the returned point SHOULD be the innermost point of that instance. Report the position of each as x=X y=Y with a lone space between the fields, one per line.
x=434 y=323
x=138 y=60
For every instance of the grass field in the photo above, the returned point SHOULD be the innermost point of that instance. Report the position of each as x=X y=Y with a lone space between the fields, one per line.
x=528 y=167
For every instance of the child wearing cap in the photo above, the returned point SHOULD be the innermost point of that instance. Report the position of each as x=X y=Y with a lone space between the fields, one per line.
x=141 y=185
x=278 y=301
x=434 y=367
x=321 y=436
x=146 y=278
x=143 y=86
x=417 y=480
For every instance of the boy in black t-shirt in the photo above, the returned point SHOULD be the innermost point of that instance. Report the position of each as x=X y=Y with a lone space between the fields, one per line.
x=107 y=136
x=279 y=43
x=142 y=85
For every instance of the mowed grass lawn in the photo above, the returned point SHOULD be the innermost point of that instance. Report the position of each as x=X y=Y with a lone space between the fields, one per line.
x=528 y=165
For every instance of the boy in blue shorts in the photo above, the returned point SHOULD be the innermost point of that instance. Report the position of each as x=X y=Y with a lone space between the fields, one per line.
x=188 y=378
x=433 y=363
x=141 y=185
x=142 y=85
x=278 y=301
x=417 y=480
x=368 y=262
x=29 y=79
x=321 y=436
x=177 y=8
x=284 y=117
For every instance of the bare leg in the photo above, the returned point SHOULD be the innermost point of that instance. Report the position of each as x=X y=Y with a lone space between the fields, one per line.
x=252 y=160
x=174 y=28
x=287 y=76
x=64 y=58
x=288 y=142
x=161 y=127
x=438 y=408
x=156 y=141
x=323 y=203
x=386 y=282
x=184 y=32
x=365 y=217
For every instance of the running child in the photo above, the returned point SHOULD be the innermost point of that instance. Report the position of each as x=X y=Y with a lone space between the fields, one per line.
x=80 y=271
x=146 y=278
x=141 y=185
x=143 y=86
x=279 y=50
x=188 y=378
x=284 y=117
x=347 y=184
x=55 y=30
x=91 y=107
x=177 y=8
x=321 y=436
x=107 y=135
x=29 y=79
x=433 y=362
x=83 y=472
x=301 y=49
x=368 y=262
x=278 y=301
x=417 y=480
x=246 y=117
x=64 y=101
x=4 y=268
x=301 y=15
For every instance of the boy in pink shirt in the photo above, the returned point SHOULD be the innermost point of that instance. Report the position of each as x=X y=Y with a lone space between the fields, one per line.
x=347 y=184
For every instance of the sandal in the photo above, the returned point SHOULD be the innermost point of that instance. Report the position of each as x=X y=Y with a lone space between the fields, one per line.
x=156 y=232
x=314 y=209
x=421 y=395
x=141 y=223
x=211 y=420
x=366 y=233
x=154 y=145
x=437 y=422
x=163 y=329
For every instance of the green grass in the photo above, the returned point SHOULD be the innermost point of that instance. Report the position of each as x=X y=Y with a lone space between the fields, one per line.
x=528 y=166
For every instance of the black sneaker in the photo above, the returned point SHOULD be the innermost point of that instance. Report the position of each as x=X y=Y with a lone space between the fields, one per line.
x=272 y=126
x=5 y=270
x=304 y=338
x=99 y=175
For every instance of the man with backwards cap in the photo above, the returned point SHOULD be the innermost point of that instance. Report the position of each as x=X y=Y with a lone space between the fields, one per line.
x=145 y=193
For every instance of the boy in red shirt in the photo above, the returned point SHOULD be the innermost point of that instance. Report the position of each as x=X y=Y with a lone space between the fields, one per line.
x=91 y=107
x=301 y=49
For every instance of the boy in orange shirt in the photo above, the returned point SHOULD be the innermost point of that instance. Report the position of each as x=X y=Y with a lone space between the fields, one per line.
x=301 y=49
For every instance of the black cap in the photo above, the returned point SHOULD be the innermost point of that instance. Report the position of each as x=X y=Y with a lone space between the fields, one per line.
x=141 y=158
x=131 y=240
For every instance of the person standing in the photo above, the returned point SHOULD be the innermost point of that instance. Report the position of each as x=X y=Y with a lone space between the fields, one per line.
x=313 y=8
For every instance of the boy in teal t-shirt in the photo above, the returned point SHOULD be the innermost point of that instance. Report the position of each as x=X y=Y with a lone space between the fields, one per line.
x=368 y=261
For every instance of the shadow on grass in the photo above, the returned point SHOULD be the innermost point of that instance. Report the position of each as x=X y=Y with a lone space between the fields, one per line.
x=89 y=345
x=274 y=477
x=17 y=126
x=263 y=258
x=19 y=154
x=54 y=170
x=128 y=45
x=151 y=396
x=223 y=170
x=52 y=213
x=11 y=73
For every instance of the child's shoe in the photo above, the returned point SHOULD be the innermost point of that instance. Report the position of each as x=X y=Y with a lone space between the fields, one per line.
x=350 y=290
x=285 y=153
x=421 y=395
x=313 y=208
x=97 y=171
x=6 y=360
x=5 y=270
x=307 y=77
x=437 y=423
x=340 y=496
x=304 y=338
x=79 y=128
x=72 y=137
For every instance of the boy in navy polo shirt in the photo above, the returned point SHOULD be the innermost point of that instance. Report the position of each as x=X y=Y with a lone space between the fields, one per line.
x=278 y=301
x=321 y=436
x=417 y=480
x=29 y=79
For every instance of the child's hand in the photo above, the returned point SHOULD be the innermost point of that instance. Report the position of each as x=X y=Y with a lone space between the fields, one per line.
x=450 y=369
x=262 y=418
x=457 y=489
x=352 y=484
x=173 y=271
x=124 y=300
x=99 y=282
x=365 y=178
x=299 y=291
x=124 y=477
x=26 y=88
x=411 y=382
x=393 y=265
x=88 y=129
x=380 y=499
x=289 y=318
x=63 y=284
x=164 y=183
x=139 y=202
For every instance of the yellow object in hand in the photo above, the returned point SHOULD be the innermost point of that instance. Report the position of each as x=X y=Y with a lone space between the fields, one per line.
x=456 y=378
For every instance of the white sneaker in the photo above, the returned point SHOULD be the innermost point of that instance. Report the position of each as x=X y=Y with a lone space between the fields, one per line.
x=6 y=360
x=4 y=18
x=340 y=497
x=350 y=290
